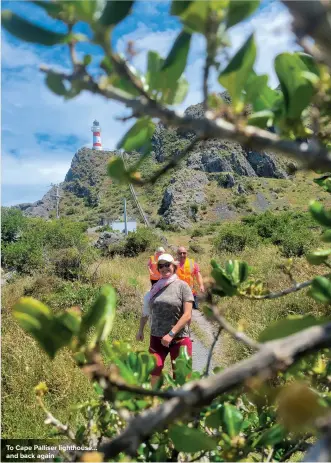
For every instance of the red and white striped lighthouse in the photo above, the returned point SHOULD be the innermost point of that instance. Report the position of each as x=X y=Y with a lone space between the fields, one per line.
x=96 y=129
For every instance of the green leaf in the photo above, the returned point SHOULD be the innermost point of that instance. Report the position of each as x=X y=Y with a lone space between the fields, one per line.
x=296 y=88
x=195 y=16
x=224 y=282
x=177 y=93
x=177 y=8
x=320 y=290
x=232 y=419
x=261 y=119
x=85 y=9
x=214 y=418
x=288 y=326
x=190 y=440
x=154 y=64
x=271 y=436
x=326 y=237
x=183 y=365
x=116 y=170
x=36 y=319
x=318 y=212
x=100 y=315
x=29 y=32
x=87 y=60
x=318 y=257
x=115 y=11
x=55 y=83
x=240 y=10
x=146 y=364
x=254 y=85
x=139 y=136
x=51 y=332
x=235 y=75
x=51 y=8
x=175 y=62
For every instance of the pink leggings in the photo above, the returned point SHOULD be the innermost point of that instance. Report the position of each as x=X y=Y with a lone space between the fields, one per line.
x=160 y=352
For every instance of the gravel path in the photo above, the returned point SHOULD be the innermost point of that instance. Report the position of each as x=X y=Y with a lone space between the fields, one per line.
x=200 y=351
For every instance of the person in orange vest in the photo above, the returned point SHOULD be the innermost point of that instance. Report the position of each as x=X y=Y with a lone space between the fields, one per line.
x=154 y=274
x=188 y=270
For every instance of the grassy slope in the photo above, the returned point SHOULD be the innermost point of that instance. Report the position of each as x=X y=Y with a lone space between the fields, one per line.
x=24 y=365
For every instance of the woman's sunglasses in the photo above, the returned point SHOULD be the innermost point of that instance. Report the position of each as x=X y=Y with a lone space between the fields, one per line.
x=164 y=265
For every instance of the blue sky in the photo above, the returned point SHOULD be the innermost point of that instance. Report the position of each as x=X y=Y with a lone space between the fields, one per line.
x=41 y=132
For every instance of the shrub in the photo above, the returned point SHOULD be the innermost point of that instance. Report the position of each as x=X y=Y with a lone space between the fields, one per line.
x=235 y=237
x=197 y=232
x=240 y=202
x=139 y=241
x=12 y=224
x=196 y=248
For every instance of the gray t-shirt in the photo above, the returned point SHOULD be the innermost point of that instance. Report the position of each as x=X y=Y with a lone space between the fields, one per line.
x=167 y=308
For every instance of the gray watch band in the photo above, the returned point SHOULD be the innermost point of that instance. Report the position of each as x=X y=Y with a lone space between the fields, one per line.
x=171 y=333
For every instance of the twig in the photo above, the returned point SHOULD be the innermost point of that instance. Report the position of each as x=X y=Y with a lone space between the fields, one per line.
x=275 y=355
x=50 y=419
x=284 y=292
x=210 y=353
x=301 y=445
x=238 y=335
x=270 y=455
x=313 y=156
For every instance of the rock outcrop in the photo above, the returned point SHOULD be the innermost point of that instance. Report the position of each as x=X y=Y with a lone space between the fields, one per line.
x=181 y=200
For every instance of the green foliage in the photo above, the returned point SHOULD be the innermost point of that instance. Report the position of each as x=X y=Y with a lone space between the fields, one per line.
x=240 y=10
x=12 y=224
x=59 y=245
x=235 y=237
x=115 y=11
x=138 y=137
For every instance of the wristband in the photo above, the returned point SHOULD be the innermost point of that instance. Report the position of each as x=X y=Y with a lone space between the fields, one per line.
x=171 y=333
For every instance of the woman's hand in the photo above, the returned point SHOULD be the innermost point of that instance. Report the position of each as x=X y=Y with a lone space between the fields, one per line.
x=166 y=340
x=140 y=336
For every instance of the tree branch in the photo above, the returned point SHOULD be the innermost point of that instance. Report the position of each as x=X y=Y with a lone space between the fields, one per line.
x=238 y=335
x=313 y=156
x=275 y=355
x=283 y=292
x=50 y=419
x=210 y=353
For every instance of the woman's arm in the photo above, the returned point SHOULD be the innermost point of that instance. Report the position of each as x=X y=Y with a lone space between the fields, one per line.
x=140 y=334
x=184 y=319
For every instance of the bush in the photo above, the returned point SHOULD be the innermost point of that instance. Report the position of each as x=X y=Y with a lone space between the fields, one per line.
x=196 y=248
x=12 y=224
x=197 y=232
x=139 y=241
x=235 y=237
x=291 y=231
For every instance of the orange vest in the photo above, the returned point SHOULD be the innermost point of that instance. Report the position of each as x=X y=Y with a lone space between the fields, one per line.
x=186 y=272
x=153 y=266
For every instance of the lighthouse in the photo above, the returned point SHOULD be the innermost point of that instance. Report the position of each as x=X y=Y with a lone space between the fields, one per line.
x=96 y=129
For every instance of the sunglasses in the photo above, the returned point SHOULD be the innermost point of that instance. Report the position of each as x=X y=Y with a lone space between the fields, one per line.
x=164 y=265
x=182 y=253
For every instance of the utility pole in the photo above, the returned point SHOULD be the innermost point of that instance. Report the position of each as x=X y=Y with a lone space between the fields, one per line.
x=57 y=197
x=125 y=219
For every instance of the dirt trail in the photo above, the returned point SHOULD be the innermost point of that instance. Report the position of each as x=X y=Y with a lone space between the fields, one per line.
x=200 y=351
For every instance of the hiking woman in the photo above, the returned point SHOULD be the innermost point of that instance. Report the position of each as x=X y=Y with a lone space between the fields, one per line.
x=170 y=304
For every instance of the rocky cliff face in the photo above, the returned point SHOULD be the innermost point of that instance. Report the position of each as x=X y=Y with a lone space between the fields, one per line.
x=88 y=194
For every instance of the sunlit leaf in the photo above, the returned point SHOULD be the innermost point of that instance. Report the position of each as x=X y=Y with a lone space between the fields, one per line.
x=232 y=419
x=139 y=136
x=100 y=316
x=235 y=75
x=318 y=257
x=320 y=290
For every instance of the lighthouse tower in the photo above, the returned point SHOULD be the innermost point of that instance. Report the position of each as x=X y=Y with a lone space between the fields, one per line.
x=96 y=129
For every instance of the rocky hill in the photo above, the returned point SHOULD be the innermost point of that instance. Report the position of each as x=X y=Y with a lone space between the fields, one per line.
x=218 y=180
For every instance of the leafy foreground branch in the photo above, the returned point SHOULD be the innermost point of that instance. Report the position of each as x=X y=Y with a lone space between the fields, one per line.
x=275 y=356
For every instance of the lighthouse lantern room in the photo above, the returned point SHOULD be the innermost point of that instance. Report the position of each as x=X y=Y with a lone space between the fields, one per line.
x=96 y=129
